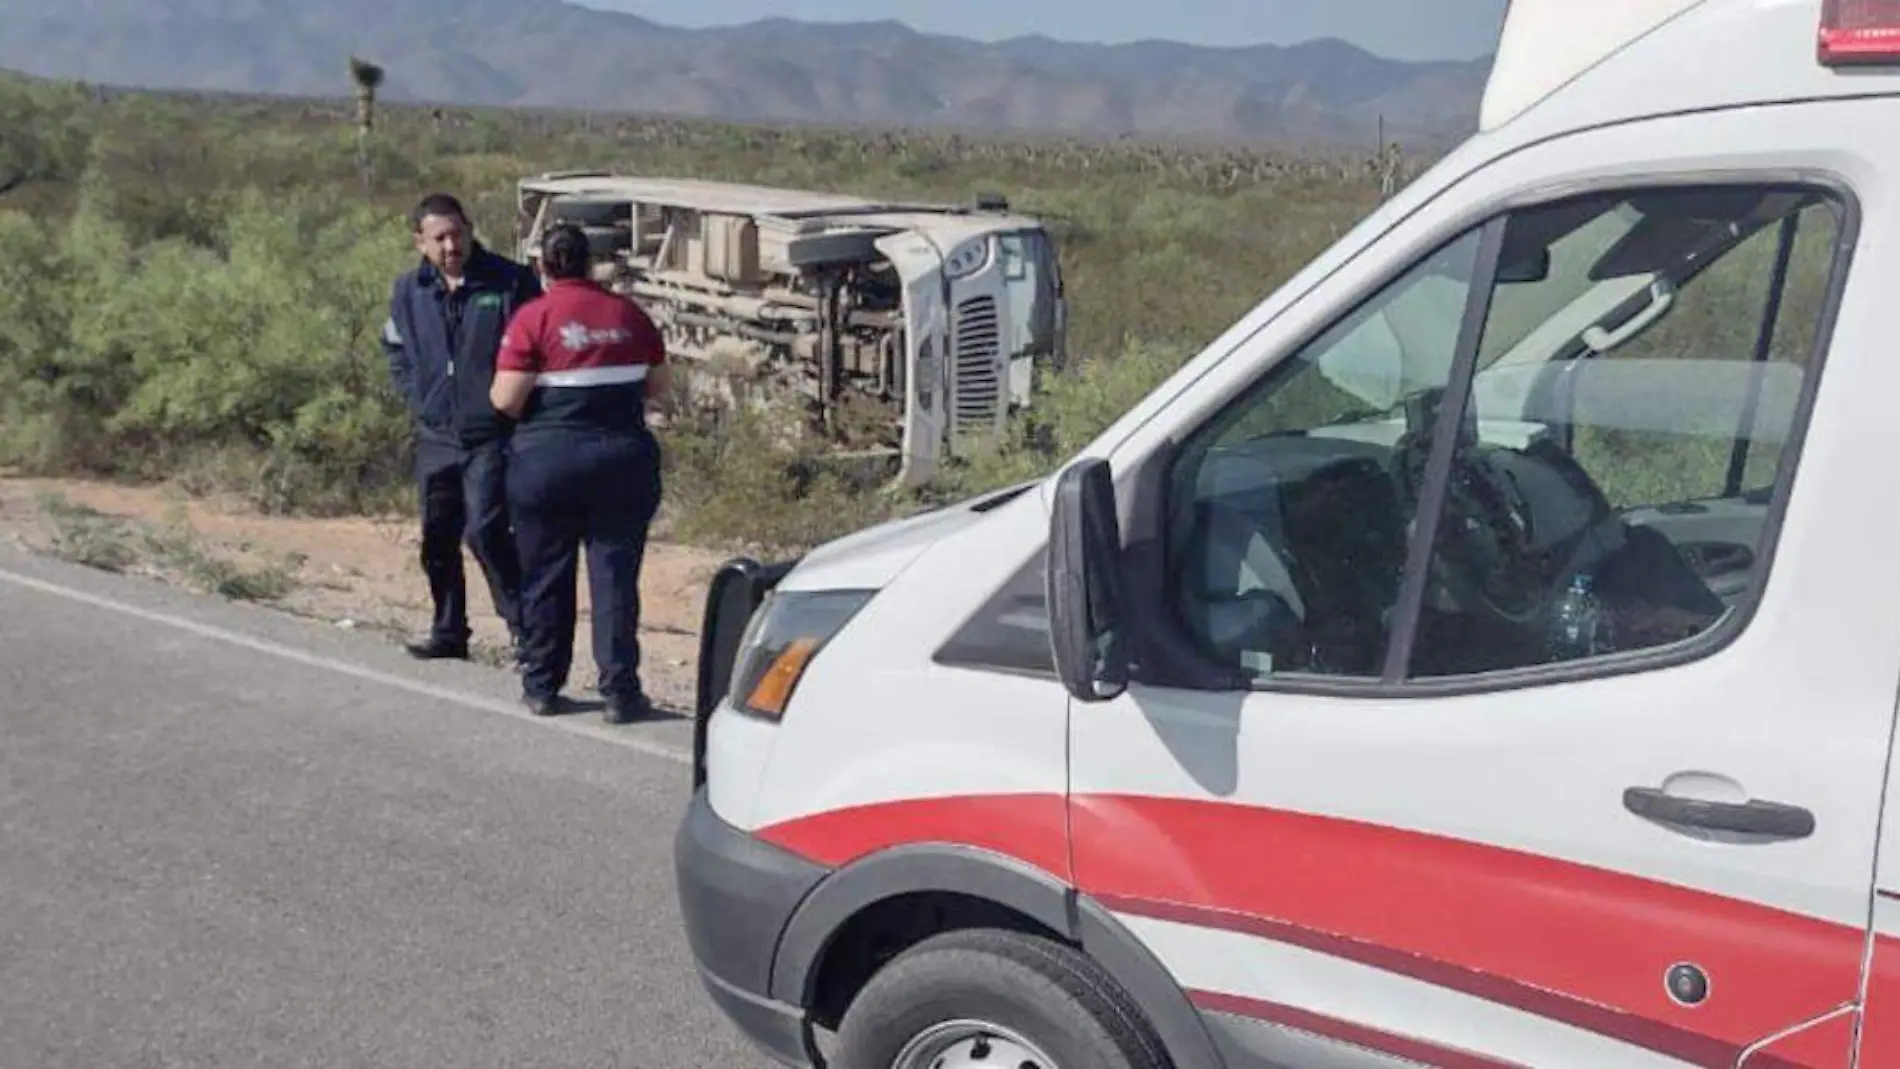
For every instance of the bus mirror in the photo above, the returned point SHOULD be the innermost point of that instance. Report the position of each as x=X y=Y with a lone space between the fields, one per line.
x=1084 y=584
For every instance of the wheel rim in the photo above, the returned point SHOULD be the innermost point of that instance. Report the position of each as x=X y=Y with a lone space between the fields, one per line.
x=971 y=1045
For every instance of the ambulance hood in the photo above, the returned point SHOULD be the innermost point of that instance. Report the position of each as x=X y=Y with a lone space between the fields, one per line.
x=871 y=558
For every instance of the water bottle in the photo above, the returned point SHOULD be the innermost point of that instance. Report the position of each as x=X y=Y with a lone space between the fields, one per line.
x=1579 y=625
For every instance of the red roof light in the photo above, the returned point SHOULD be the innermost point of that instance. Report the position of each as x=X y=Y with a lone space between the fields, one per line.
x=1859 y=31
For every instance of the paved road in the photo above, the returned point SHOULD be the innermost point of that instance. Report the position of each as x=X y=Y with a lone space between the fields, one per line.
x=231 y=838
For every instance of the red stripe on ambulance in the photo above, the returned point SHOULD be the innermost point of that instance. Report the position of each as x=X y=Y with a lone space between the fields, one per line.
x=1345 y=1032
x=1568 y=942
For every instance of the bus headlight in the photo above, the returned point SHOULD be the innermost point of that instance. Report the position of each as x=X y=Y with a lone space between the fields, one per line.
x=968 y=259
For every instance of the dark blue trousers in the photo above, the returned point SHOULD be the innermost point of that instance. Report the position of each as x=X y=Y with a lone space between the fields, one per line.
x=464 y=503
x=567 y=488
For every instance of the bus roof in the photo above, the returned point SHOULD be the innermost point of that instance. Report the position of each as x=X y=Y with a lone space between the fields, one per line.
x=702 y=194
x=798 y=208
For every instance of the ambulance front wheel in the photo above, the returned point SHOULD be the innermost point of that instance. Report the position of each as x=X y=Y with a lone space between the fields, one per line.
x=994 y=999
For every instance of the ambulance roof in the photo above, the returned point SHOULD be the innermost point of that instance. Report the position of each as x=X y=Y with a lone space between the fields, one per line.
x=1546 y=43
x=1572 y=64
x=1565 y=66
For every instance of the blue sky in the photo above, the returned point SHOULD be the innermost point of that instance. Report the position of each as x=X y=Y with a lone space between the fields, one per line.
x=1404 y=29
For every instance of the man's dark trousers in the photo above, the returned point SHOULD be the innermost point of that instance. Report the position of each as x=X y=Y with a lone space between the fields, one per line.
x=441 y=346
x=464 y=501
x=565 y=488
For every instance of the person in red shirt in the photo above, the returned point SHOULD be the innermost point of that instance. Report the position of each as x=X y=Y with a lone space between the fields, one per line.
x=577 y=369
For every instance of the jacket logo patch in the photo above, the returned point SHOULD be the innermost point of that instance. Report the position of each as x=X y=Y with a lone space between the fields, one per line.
x=488 y=300
x=575 y=336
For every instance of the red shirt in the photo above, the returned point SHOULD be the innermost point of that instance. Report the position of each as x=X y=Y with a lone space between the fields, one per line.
x=589 y=351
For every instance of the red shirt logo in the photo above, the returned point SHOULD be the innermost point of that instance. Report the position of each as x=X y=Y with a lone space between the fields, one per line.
x=576 y=336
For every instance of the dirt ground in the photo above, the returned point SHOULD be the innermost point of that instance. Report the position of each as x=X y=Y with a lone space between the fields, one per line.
x=352 y=573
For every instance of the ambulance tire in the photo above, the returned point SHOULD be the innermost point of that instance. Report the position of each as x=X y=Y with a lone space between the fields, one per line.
x=1054 y=997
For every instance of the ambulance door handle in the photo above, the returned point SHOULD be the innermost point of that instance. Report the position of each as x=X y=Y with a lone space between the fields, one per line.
x=1753 y=819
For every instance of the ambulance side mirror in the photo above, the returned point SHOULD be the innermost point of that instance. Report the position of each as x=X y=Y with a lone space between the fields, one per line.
x=1084 y=587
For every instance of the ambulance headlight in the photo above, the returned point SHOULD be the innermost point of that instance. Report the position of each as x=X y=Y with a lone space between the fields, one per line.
x=785 y=634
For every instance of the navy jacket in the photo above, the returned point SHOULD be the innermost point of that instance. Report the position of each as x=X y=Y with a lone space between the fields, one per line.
x=441 y=346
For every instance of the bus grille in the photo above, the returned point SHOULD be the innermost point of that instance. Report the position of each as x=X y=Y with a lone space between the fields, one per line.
x=979 y=386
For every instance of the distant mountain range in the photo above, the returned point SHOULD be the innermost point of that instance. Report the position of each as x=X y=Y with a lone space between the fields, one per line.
x=552 y=53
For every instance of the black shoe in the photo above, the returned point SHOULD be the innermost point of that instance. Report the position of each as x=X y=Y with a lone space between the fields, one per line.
x=438 y=649
x=628 y=710
x=551 y=706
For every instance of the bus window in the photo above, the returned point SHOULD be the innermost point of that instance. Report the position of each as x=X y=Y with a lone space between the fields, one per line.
x=1029 y=276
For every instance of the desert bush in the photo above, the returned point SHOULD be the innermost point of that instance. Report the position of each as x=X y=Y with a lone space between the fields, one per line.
x=139 y=360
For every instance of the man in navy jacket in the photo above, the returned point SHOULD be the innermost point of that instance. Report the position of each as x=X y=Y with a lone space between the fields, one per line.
x=446 y=318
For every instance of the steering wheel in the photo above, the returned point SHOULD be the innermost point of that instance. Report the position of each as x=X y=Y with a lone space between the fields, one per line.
x=1485 y=551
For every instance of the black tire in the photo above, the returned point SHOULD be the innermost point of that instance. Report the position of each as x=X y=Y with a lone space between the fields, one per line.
x=1051 y=995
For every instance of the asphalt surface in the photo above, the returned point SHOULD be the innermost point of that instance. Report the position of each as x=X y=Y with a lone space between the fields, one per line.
x=231 y=838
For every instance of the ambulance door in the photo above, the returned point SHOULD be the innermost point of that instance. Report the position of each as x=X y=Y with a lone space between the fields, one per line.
x=1880 y=1031
x=1514 y=643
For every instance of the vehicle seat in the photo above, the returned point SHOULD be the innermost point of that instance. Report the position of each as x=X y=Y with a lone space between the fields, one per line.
x=1655 y=597
x=1236 y=591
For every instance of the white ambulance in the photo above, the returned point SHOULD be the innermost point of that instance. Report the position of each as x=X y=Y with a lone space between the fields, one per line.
x=1484 y=654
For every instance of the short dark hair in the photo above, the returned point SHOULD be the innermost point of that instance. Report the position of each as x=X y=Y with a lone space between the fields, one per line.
x=565 y=252
x=443 y=204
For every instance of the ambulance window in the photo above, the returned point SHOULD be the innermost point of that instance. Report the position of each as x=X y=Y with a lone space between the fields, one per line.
x=1636 y=380
x=1642 y=371
x=1289 y=512
x=1543 y=271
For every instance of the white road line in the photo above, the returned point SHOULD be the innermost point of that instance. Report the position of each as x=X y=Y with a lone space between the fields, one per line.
x=288 y=653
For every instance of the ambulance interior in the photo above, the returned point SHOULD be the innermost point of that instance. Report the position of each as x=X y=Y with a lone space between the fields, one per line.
x=1641 y=365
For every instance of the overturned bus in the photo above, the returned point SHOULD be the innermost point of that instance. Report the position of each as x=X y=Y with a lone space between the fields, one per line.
x=907 y=331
